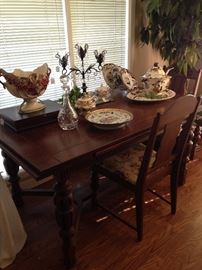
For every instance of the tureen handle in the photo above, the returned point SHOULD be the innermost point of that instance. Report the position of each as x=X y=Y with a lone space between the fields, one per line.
x=1 y=74
x=169 y=70
x=4 y=86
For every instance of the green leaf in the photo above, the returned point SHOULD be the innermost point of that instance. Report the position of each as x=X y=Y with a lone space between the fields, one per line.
x=145 y=35
x=191 y=57
x=151 y=95
x=175 y=29
x=74 y=94
x=185 y=68
x=153 y=6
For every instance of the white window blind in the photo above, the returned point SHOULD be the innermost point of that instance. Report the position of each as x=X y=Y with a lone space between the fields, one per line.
x=102 y=25
x=31 y=33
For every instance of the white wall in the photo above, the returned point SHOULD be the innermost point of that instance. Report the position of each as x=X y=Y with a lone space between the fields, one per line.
x=144 y=58
x=140 y=58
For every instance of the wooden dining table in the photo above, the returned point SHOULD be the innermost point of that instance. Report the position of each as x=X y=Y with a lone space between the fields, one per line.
x=50 y=151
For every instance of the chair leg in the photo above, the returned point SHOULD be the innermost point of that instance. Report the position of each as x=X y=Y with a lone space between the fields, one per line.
x=196 y=137
x=94 y=186
x=173 y=192
x=78 y=218
x=182 y=173
x=139 y=215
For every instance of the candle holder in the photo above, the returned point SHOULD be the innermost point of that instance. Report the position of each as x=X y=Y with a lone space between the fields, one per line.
x=82 y=71
x=63 y=61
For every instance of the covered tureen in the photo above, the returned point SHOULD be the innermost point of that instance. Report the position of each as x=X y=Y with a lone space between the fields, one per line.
x=155 y=79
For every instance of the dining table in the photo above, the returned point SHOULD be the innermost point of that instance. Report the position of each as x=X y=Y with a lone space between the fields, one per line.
x=50 y=151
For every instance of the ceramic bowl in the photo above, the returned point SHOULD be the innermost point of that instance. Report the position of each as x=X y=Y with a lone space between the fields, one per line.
x=28 y=86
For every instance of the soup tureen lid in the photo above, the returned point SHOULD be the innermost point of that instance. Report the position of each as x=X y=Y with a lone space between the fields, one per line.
x=155 y=72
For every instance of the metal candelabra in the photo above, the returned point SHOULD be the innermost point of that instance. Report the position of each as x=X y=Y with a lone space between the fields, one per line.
x=82 y=52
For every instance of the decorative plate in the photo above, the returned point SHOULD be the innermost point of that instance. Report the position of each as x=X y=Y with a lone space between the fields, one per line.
x=112 y=75
x=109 y=118
x=150 y=96
x=128 y=80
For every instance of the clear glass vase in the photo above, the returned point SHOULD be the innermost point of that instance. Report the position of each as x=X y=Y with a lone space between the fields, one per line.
x=67 y=116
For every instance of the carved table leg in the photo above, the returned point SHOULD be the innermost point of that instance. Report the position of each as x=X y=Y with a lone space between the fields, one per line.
x=65 y=216
x=12 y=170
x=183 y=170
x=196 y=138
x=186 y=158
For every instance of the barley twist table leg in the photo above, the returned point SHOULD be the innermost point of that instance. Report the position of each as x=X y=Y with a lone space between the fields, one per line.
x=197 y=134
x=12 y=170
x=65 y=216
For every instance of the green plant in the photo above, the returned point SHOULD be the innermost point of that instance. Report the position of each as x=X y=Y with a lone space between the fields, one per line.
x=74 y=94
x=174 y=28
x=152 y=95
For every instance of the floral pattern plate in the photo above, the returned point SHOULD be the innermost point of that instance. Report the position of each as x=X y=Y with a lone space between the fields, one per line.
x=109 y=118
x=128 y=80
x=150 y=96
x=112 y=75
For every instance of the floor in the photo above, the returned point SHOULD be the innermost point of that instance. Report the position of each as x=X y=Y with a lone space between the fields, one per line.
x=103 y=243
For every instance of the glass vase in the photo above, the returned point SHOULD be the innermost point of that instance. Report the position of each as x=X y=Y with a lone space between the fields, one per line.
x=67 y=116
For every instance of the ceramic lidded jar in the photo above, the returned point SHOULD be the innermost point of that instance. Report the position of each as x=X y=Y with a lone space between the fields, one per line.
x=103 y=92
x=155 y=79
x=86 y=102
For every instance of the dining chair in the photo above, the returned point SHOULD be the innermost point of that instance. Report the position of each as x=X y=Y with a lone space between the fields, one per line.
x=138 y=166
x=196 y=136
x=183 y=85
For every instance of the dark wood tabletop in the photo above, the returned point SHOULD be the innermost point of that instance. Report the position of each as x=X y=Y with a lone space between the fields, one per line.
x=48 y=150
x=43 y=150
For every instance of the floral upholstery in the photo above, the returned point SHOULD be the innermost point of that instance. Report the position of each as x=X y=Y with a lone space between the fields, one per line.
x=127 y=162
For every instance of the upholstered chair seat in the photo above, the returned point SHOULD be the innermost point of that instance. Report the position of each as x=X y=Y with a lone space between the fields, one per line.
x=127 y=162
x=138 y=167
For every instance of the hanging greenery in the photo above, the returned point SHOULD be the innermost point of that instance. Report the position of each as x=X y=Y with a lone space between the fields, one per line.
x=174 y=28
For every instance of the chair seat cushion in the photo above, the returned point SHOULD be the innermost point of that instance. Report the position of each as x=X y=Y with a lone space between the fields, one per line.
x=127 y=162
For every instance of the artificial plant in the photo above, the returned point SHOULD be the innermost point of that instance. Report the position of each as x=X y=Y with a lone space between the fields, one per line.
x=74 y=94
x=174 y=28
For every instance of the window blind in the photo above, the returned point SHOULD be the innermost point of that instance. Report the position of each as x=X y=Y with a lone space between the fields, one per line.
x=102 y=25
x=31 y=33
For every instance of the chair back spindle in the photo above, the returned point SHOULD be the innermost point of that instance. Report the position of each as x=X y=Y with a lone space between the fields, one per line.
x=183 y=85
x=130 y=164
x=172 y=128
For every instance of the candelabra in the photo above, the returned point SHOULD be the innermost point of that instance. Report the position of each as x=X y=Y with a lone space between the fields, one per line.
x=82 y=71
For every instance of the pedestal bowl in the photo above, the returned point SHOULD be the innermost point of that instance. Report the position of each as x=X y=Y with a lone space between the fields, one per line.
x=28 y=86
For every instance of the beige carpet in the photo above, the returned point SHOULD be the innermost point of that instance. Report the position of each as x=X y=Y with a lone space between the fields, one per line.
x=26 y=181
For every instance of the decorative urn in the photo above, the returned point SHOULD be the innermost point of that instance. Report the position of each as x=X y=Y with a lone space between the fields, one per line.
x=28 y=85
